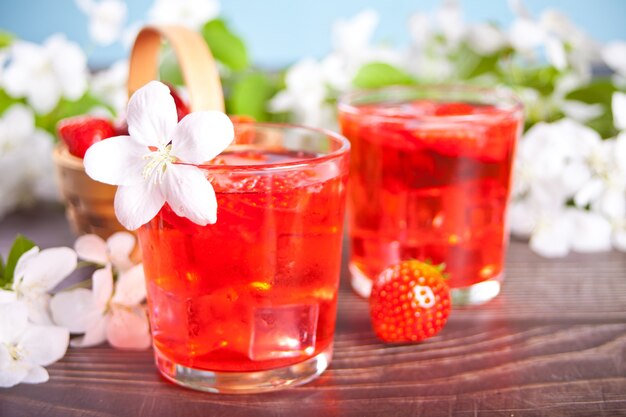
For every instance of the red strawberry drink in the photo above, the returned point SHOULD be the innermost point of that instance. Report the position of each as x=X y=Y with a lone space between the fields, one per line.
x=430 y=179
x=253 y=295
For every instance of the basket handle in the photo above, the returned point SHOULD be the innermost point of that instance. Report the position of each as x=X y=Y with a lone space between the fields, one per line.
x=194 y=57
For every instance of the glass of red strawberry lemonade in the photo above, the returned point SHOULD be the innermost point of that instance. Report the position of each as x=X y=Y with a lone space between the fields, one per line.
x=430 y=179
x=248 y=304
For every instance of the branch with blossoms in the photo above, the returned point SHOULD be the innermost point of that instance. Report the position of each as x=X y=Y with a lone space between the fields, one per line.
x=35 y=325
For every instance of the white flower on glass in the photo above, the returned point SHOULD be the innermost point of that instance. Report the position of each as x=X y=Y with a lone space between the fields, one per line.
x=25 y=348
x=486 y=39
x=190 y=13
x=36 y=273
x=104 y=314
x=106 y=19
x=25 y=160
x=115 y=251
x=145 y=165
x=110 y=85
x=45 y=73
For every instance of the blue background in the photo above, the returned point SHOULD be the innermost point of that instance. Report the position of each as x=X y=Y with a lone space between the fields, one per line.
x=278 y=32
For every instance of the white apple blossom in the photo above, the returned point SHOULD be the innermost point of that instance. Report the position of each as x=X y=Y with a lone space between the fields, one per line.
x=450 y=20
x=25 y=160
x=486 y=38
x=190 y=13
x=145 y=164
x=36 y=273
x=560 y=162
x=104 y=313
x=45 y=73
x=106 y=19
x=25 y=348
x=109 y=85
x=305 y=93
x=115 y=251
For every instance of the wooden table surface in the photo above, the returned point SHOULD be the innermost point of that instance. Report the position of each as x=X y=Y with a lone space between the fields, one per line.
x=552 y=344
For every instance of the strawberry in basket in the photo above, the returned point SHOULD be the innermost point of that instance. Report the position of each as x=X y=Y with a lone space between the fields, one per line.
x=80 y=132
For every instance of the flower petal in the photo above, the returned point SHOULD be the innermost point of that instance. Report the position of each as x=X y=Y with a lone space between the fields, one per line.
x=201 y=136
x=190 y=194
x=102 y=288
x=120 y=245
x=7 y=296
x=136 y=205
x=551 y=238
x=95 y=334
x=13 y=319
x=20 y=267
x=71 y=309
x=44 y=345
x=11 y=372
x=46 y=270
x=619 y=110
x=91 y=248
x=36 y=375
x=130 y=288
x=116 y=161
x=152 y=115
x=593 y=232
x=38 y=308
x=128 y=329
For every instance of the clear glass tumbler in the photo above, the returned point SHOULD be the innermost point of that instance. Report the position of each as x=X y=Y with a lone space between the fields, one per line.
x=248 y=304
x=430 y=180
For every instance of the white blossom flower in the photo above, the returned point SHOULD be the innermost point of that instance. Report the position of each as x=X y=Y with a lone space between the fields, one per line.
x=450 y=20
x=25 y=348
x=25 y=160
x=619 y=110
x=104 y=314
x=190 y=13
x=106 y=19
x=110 y=85
x=486 y=39
x=145 y=164
x=614 y=55
x=36 y=273
x=45 y=73
x=525 y=35
x=115 y=251
x=304 y=94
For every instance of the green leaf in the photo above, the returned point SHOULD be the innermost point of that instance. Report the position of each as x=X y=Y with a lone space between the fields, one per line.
x=226 y=47
x=469 y=64
x=600 y=90
x=7 y=101
x=380 y=74
x=542 y=79
x=169 y=70
x=67 y=108
x=20 y=246
x=6 y=38
x=1 y=270
x=249 y=96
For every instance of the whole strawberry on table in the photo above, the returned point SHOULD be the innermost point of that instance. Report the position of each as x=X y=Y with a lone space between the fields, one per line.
x=409 y=302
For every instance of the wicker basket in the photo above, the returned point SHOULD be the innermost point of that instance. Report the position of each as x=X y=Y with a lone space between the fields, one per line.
x=89 y=204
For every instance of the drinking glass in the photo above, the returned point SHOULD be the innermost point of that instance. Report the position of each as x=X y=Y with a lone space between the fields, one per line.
x=430 y=180
x=248 y=304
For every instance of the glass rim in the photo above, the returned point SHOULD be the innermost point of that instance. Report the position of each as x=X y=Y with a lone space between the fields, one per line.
x=500 y=94
x=343 y=149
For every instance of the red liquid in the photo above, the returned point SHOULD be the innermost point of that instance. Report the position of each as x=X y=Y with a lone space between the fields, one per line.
x=258 y=289
x=427 y=187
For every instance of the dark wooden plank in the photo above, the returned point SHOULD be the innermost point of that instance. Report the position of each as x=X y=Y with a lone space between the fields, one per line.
x=552 y=344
